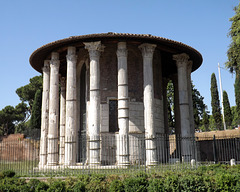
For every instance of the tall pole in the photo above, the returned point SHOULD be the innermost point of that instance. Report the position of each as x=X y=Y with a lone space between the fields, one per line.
x=221 y=94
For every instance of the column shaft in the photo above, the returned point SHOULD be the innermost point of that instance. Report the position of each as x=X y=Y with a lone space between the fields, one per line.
x=150 y=135
x=53 y=110
x=182 y=62
x=71 y=108
x=94 y=49
x=62 y=120
x=123 y=106
x=45 y=114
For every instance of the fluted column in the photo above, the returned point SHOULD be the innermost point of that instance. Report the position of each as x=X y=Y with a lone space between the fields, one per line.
x=71 y=108
x=45 y=114
x=182 y=63
x=94 y=49
x=62 y=120
x=123 y=107
x=53 y=110
x=189 y=81
x=150 y=135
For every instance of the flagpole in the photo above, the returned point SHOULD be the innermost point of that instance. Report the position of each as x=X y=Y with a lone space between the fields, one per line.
x=221 y=94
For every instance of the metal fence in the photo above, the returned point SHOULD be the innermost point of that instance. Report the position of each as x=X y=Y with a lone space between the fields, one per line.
x=172 y=152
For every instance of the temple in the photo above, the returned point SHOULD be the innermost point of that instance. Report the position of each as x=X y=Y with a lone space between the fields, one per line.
x=107 y=87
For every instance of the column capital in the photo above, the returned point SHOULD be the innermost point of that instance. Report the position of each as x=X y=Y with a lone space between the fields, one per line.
x=55 y=60
x=63 y=82
x=46 y=66
x=122 y=49
x=181 y=59
x=94 y=48
x=189 y=66
x=147 y=49
x=71 y=55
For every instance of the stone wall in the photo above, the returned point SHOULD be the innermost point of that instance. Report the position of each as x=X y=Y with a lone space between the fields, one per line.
x=16 y=148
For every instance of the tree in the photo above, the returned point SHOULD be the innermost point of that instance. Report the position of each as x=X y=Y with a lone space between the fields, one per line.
x=227 y=110
x=10 y=116
x=27 y=93
x=198 y=104
x=35 y=121
x=215 y=103
x=237 y=96
x=233 y=62
x=205 y=121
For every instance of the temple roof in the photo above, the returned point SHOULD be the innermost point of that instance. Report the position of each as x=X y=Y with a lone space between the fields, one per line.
x=167 y=45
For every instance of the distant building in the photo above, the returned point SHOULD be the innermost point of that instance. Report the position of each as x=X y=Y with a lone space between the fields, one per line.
x=113 y=86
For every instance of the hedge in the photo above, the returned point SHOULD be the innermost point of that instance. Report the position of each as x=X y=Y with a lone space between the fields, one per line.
x=205 y=178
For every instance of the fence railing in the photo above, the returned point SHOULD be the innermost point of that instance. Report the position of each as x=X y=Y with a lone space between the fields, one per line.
x=169 y=152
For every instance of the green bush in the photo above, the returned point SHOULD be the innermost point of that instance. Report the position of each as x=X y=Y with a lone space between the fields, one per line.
x=135 y=184
x=155 y=185
x=116 y=186
x=42 y=186
x=79 y=187
x=8 y=173
x=97 y=183
x=57 y=186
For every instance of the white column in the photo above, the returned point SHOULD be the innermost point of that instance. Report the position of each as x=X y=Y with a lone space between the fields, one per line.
x=45 y=114
x=53 y=110
x=123 y=107
x=71 y=108
x=94 y=49
x=62 y=120
x=182 y=63
x=189 y=81
x=150 y=135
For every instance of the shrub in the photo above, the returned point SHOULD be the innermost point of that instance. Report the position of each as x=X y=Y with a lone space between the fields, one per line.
x=79 y=187
x=97 y=183
x=135 y=184
x=155 y=185
x=42 y=186
x=8 y=173
x=116 y=186
x=57 y=186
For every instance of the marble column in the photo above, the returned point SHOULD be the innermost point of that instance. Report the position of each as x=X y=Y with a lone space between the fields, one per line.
x=71 y=108
x=182 y=63
x=62 y=120
x=189 y=81
x=45 y=113
x=52 y=158
x=123 y=106
x=150 y=134
x=94 y=49
x=191 y=113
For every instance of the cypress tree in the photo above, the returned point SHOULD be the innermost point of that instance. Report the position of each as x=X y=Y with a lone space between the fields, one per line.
x=35 y=121
x=215 y=103
x=237 y=95
x=205 y=121
x=227 y=110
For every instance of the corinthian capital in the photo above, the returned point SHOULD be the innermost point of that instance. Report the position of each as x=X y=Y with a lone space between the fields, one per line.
x=181 y=59
x=55 y=60
x=46 y=66
x=71 y=56
x=147 y=49
x=122 y=49
x=94 y=48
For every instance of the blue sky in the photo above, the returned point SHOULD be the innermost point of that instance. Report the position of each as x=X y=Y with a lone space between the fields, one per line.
x=26 y=25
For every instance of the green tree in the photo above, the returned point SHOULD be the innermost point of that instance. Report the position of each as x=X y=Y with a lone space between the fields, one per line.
x=35 y=121
x=27 y=93
x=198 y=104
x=205 y=121
x=237 y=96
x=235 y=116
x=227 y=110
x=233 y=62
x=10 y=117
x=215 y=103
